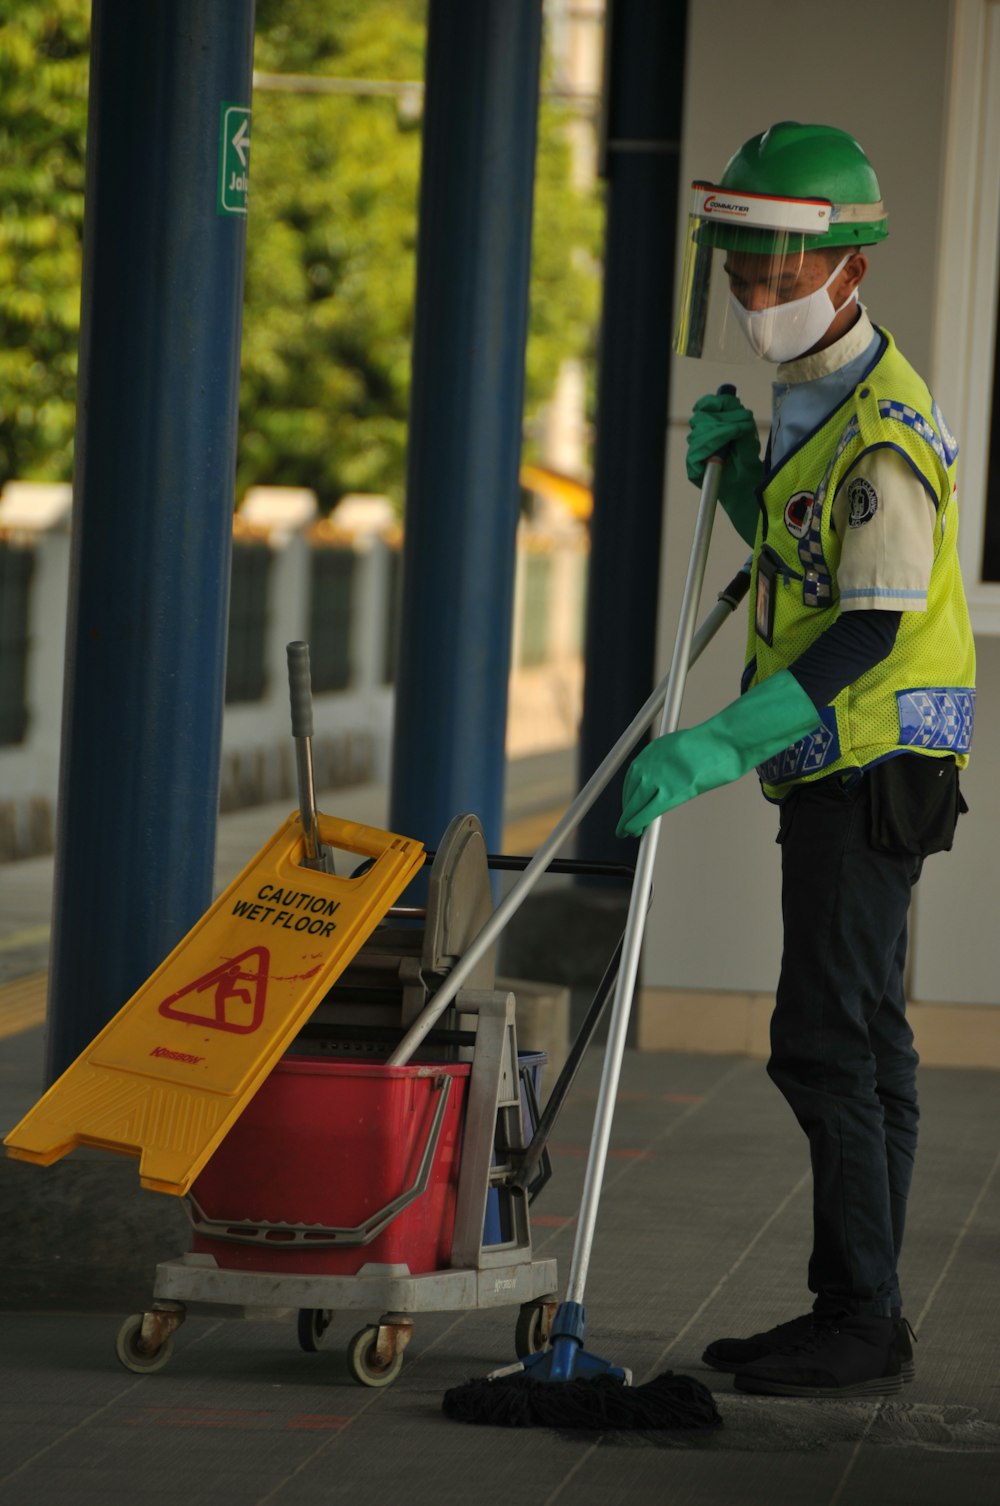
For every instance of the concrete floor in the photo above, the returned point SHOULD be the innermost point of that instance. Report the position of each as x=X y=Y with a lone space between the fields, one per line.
x=704 y=1232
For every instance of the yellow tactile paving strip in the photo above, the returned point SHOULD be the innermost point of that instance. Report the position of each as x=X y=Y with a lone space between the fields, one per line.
x=523 y=837
x=33 y=936
x=22 y=1004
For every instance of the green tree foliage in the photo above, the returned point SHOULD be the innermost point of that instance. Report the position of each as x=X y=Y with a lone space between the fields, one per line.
x=330 y=252
x=331 y=246
x=43 y=113
x=567 y=233
x=331 y=256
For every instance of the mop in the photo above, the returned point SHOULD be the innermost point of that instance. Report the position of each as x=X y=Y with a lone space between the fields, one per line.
x=565 y=1386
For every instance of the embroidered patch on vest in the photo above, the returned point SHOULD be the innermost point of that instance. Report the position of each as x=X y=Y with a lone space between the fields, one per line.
x=862 y=502
x=798 y=511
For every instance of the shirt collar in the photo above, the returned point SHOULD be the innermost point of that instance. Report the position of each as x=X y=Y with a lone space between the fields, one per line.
x=850 y=345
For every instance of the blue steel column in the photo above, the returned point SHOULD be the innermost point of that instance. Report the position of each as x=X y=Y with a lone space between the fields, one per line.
x=462 y=501
x=153 y=499
x=643 y=105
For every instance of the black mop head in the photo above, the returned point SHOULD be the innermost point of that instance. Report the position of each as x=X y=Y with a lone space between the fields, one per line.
x=596 y=1403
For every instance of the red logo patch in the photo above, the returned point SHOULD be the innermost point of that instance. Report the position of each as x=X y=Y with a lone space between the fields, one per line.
x=798 y=514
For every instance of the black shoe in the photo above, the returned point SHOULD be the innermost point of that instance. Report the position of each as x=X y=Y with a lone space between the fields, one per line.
x=733 y=1354
x=904 y=1339
x=852 y=1354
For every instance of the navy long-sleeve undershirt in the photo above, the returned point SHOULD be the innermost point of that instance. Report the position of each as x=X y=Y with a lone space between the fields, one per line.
x=852 y=645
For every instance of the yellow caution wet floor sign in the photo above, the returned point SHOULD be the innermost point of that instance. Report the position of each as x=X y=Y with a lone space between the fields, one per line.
x=170 y=1073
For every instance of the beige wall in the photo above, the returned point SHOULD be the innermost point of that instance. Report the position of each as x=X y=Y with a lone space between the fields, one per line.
x=882 y=73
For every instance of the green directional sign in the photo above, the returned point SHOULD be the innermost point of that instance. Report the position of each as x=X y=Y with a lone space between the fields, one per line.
x=234 y=158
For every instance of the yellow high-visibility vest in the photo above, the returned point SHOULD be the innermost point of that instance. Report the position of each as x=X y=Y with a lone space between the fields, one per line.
x=921 y=699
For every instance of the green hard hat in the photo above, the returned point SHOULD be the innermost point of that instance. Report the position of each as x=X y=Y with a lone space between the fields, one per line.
x=793 y=161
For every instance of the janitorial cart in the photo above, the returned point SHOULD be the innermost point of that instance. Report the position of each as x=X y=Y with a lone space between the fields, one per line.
x=332 y=1082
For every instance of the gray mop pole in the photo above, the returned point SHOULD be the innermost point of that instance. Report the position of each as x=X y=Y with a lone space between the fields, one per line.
x=564 y=828
x=639 y=902
x=565 y=1358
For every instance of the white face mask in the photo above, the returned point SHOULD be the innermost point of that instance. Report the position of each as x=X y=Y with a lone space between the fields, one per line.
x=787 y=330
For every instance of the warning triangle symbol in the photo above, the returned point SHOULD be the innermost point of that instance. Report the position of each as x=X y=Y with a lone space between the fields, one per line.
x=230 y=997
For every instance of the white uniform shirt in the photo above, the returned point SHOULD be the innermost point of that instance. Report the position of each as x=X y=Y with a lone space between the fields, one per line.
x=882 y=512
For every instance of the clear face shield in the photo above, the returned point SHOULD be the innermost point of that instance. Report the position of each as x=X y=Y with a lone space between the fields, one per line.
x=749 y=288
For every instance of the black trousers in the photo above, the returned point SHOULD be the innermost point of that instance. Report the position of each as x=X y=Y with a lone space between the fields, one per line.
x=841 y=1047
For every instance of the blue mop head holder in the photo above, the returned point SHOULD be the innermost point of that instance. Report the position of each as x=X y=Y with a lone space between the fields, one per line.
x=565 y=1358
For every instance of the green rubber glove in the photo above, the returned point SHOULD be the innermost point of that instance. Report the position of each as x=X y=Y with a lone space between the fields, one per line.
x=675 y=768
x=720 y=423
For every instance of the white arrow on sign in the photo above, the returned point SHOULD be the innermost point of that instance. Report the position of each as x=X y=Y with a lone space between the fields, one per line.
x=241 y=141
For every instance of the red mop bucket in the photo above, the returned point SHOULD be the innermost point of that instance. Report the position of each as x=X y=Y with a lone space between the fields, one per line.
x=336 y=1164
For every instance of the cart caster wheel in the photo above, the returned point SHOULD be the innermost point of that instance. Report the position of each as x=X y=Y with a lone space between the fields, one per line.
x=313 y=1324
x=534 y=1322
x=137 y=1356
x=364 y=1363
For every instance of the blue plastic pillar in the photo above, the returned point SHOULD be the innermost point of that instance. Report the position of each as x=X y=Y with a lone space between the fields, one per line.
x=462 y=500
x=164 y=240
x=644 y=83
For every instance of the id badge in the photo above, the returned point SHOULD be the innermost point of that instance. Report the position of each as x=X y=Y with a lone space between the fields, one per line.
x=767 y=571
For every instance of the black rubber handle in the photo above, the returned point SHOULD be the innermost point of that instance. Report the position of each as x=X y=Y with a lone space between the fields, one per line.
x=737 y=588
x=300 y=689
x=726 y=390
x=508 y=863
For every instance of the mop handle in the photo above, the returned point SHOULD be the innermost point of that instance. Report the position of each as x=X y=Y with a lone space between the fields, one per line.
x=639 y=901
x=300 y=697
x=727 y=603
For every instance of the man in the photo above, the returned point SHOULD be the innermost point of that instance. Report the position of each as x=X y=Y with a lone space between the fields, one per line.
x=857 y=707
